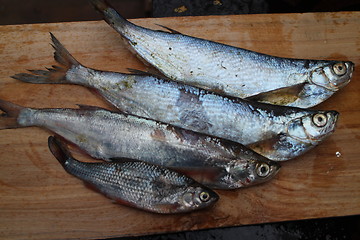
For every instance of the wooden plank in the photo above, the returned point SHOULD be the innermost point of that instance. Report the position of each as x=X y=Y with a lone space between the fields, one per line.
x=39 y=200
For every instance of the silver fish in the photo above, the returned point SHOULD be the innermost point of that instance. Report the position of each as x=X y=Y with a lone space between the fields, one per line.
x=229 y=70
x=214 y=162
x=277 y=132
x=138 y=184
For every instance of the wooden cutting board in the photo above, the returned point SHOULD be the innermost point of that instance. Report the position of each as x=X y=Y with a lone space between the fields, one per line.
x=39 y=200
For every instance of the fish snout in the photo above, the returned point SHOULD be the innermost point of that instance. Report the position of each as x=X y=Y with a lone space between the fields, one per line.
x=343 y=72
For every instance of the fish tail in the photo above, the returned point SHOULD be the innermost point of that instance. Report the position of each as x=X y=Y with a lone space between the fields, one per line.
x=9 y=117
x=110 y=15
x=56 y=74
x=59 y=150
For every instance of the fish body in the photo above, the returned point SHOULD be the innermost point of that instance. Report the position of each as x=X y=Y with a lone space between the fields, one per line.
x=138 y=184
x=267 y=129
x=110 y=136
x=229 y=70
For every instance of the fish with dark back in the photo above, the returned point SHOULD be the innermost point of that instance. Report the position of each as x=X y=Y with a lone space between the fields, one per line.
x=138 y=184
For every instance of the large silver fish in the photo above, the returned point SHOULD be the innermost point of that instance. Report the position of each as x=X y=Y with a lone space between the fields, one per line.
x=229 y=70
x=277 y=132
x=138 y=184
x=214 y=162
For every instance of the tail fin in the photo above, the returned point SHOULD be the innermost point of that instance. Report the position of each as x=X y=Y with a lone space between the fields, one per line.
x=59 y=150
x=56 y=74
x=8 y=119
x=113 y=18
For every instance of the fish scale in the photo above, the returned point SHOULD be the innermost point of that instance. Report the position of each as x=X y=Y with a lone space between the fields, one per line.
x=202 y=111
x=230 y=70
x=128 y=179
x=135 y=183
x=262 y=127
x=117 y=136
x=218 y=64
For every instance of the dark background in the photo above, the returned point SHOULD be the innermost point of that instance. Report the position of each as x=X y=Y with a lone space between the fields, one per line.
x=47 y=11
x=44 y=11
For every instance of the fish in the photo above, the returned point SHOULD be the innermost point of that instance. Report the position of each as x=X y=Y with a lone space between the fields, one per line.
x=115 y=136
x=279 y=133
x=229 y=70
x=137 y=184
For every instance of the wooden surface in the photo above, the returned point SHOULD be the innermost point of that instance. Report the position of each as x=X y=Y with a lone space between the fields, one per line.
x=39 y=200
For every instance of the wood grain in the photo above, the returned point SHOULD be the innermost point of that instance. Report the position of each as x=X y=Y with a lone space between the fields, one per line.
x=39 y=200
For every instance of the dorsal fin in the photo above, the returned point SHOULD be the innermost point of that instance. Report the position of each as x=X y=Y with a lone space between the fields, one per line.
x=88 y=107
x=122 y=159
x=138 y=72
x=169 y=29
x=149 y=72
x=267 y=147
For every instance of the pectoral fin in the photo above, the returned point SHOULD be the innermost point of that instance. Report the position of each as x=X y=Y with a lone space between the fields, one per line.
x=204 y=175
x=282 y=96
x=266 y=147
x=122 y=160
x=114 y=199
x=280 y=147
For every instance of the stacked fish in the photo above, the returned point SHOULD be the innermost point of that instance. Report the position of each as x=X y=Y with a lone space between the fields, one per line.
x=216 y=117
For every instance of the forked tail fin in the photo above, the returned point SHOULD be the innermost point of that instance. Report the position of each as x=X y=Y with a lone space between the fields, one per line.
x=8 y=119
x=59 y=150
x=56 y=74
x=113 y=18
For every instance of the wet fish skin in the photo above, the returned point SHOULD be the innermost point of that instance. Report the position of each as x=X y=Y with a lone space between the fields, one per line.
x=229 y=70
x=238 y=120
x=261 y=126
x=138 y=184
x=215 y=162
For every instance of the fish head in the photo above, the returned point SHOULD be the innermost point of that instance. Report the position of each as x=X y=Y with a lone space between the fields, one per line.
x=251 y=172
x=332 y=76
x=196 y=196
x=313 y=128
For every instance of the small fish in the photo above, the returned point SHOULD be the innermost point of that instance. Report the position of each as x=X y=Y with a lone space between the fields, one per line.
x=276 y=132
x=229 y=70
x=138 y=184
x=110 y=136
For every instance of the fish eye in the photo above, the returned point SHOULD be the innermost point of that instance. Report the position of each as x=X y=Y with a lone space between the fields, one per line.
x=319 y=120
x=263 y=170
x=339 y=69
x=204 y=196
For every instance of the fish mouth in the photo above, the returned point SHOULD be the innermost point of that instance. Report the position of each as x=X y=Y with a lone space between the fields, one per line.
x=345 y=79
x=334 y=114
x=274 y=169
x=329 y=130
x=214 y=197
